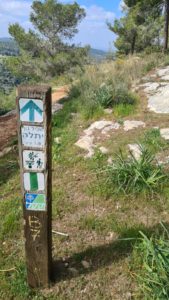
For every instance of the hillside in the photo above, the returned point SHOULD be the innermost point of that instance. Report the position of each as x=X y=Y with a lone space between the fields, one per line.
x=97 y=54
x=8 y=47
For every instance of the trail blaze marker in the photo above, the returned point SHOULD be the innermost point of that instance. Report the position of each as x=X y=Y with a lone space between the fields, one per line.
x=34 y=132
x=33 y=136
x=31 y=110
x=33 y=160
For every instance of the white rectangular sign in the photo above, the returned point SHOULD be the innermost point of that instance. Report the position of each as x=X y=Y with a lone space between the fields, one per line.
x=33 y=160
x=33 y=136
x=34 y=181
x=31 y=110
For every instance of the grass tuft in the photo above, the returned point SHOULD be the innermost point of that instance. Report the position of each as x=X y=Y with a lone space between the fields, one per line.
x=152 y=258
x=129 y=175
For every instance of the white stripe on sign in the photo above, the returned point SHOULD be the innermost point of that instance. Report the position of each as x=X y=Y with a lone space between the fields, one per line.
x=34 y=181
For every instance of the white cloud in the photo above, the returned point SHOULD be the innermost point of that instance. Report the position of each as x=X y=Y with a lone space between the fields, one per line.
x=93 y=30
x=15 y=8
x=12 y=11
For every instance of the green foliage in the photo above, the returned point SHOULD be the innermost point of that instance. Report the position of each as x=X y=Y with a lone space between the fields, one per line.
x=45 y=52
x=153 y=140
x=123 y=110
x=7 y=80
x=7 y=102
x=152 y=264
x=140 y=28
x=129 y=175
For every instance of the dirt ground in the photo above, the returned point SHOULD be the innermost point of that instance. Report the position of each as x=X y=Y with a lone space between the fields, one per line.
x=8 y=124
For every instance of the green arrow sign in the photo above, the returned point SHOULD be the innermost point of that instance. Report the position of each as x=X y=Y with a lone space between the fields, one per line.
x=31 y=106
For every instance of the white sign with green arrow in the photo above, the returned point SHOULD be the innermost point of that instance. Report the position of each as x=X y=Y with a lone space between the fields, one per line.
x=31 y=110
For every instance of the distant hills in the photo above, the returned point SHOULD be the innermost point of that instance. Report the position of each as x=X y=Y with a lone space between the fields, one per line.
x=97 y=54
x=9 y=47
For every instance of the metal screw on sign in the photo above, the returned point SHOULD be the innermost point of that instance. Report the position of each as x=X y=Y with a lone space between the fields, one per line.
x=34 y=135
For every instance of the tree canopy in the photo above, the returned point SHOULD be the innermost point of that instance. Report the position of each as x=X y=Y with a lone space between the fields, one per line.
x=46 y=50
x=143 y=26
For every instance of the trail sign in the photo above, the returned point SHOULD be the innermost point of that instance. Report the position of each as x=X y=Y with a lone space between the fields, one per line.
x=34 y=133
x=34 y=181
x=33 y=160
x=31 y=110
x=33 y=136
x=35 y=202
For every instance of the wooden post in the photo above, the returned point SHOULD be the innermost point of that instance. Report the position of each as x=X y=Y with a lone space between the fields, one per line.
x=34 y=133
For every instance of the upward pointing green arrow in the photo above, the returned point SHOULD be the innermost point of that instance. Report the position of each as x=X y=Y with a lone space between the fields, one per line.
x=32 y=107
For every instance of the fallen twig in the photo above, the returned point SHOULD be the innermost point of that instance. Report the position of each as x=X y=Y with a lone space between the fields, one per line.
x=60 y=233
x=8 y=270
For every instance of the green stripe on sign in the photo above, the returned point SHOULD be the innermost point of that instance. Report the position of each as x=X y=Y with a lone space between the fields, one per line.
x=33 y=181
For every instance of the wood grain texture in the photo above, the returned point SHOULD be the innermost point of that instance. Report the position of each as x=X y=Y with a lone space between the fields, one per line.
x=37 y=224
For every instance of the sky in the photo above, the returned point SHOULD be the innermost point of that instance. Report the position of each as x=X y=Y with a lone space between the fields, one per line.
x=93 y=30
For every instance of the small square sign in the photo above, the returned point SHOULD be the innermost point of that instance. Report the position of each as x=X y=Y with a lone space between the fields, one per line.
x=36 y=202
x=34 y=181
x=33 y=160
x=33 y=136
x=31 y=110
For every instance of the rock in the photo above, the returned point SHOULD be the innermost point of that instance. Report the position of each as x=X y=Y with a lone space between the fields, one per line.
x=10 y=113
x=56 y=107
x=150 y=87
x=159 y=103
x=135 y=150
x=111 y=127
x=165 y=133
x=110 y=161
x=163 y=72
x=103 y=150
x=86 y=143
x=73 y=271
x=57 y=140
x=166 y=77
x=5 y=151
x=98 y=125
x=129 y=125
x=108 y=111
x=85 y=264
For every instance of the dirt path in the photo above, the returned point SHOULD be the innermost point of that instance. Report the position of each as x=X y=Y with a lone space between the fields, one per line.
x=8 y=124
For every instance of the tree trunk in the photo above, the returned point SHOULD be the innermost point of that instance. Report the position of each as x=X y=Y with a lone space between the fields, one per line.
x=166 y=30
x=134 y=43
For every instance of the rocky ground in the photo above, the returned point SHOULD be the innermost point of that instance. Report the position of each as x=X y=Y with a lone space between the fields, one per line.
x=154 y=93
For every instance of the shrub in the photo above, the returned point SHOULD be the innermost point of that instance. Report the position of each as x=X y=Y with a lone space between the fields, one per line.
x=151 y=256
x=153 y=140
x=130 y=175
x=104 y=95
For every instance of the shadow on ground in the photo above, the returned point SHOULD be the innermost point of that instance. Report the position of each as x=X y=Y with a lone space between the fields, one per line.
x=104 y=255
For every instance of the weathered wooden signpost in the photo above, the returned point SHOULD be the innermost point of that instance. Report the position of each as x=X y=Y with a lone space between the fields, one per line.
x=34 y=132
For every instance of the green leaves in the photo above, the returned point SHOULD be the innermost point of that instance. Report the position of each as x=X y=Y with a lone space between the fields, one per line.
x=152 y=256
x=130 y=175
x=44 y=51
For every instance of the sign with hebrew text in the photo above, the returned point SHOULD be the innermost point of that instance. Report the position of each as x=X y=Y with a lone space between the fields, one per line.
x=33 y=136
